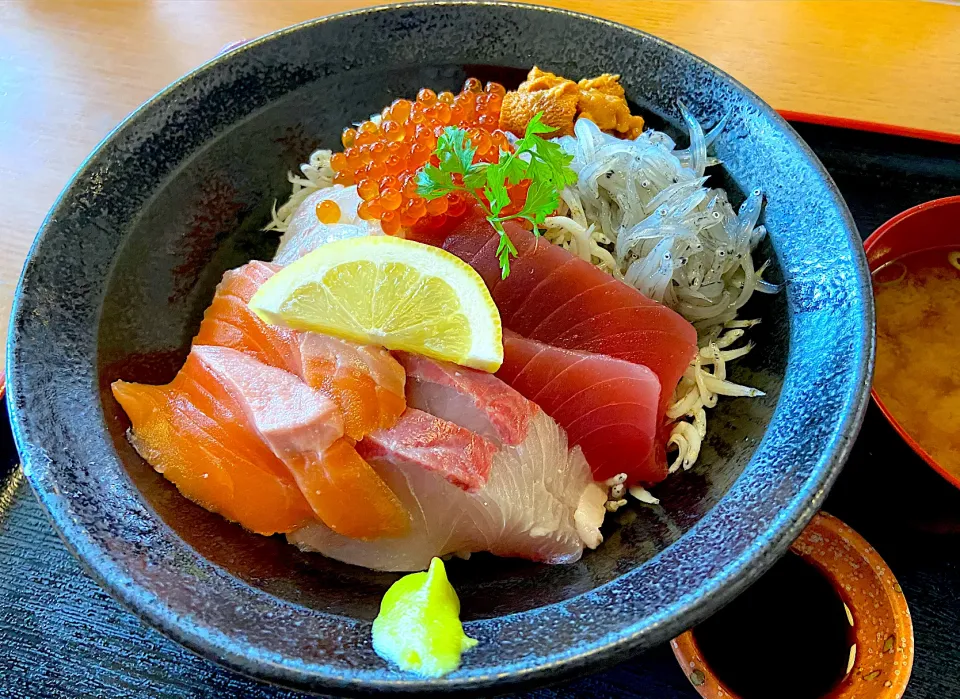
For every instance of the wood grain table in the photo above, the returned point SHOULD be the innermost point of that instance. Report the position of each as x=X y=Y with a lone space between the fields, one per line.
x=69 y=71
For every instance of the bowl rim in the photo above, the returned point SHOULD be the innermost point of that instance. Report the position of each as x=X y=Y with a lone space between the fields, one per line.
x=687 y=609
x=868 y=245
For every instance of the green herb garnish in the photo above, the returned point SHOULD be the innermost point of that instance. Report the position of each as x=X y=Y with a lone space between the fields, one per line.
x=546 y=166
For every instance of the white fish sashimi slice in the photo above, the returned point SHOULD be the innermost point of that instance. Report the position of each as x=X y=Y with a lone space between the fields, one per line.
x=486 y=405
x=306 y=233
x=539 y=488
x=539 y=503
x=308 y=239
x=346 y=198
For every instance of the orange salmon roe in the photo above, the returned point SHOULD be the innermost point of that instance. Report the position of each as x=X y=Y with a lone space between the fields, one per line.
x=383 y=159
x=328 y=211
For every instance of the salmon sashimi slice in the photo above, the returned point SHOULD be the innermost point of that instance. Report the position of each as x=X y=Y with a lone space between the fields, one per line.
x=303 y=427
x=539 y=502
x=198 y=436
x=473 y=399
x=365 y=382
x=607 y=406
x=459 y=456
x=229 y=322
x=552 y=296
x=365 y=385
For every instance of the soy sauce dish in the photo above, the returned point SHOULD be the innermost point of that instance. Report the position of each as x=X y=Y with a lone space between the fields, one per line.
x=128 y=260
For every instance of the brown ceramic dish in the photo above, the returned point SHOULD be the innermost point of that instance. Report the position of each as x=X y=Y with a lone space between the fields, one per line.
x=882 y=629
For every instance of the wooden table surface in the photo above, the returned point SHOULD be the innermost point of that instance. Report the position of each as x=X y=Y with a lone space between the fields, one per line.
x=71 y=70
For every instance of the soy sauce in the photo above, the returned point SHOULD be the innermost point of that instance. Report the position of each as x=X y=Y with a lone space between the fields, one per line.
x=787 y=636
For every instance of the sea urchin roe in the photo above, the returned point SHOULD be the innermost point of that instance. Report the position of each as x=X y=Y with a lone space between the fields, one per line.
x=418 y=627
x=382 y=158
x=918 y=350
x=602 y=100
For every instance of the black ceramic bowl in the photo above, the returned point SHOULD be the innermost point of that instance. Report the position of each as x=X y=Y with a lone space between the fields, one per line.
x=127 y=260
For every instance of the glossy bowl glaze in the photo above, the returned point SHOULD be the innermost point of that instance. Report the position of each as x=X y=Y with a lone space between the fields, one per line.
x=882 y=655
x=927 y=226
x=128 y=259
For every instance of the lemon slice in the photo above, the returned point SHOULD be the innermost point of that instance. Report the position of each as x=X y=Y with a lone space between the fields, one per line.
x=387 y=291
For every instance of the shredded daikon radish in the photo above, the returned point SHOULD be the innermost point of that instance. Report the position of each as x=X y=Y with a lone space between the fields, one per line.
x=317 y=174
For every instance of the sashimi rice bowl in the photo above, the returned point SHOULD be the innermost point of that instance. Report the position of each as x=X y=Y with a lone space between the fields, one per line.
x=494 y=318
x=460 y=371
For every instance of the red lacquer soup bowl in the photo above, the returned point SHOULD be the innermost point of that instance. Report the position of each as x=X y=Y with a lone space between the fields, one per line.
x=928 y=226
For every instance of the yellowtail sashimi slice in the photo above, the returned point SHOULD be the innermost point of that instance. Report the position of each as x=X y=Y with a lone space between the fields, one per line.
x=539 y=501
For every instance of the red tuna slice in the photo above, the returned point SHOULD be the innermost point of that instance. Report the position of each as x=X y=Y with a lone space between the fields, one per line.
x=522 y=317
x=475 y=400
x=607 y=406
x=608 y=296
x=468 y=238
x=462 y=457
x=634 y=335
x=528 y=290
x=551 y=283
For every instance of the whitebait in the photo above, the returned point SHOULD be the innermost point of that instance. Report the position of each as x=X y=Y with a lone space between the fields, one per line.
x=642 y=211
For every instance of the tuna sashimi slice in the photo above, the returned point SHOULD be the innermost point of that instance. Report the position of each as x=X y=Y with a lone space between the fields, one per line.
x=473 y=399
x=607 y=406
x=523 y=317
x=458 y=455
x=539 y=503
x=595 y=300
x=551 y=296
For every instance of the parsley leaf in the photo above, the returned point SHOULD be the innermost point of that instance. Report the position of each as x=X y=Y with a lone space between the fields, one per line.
x=455 y=151
x=514 y=169
x=476 y=177
x=496 y=189
x=543 y=163
x=433 y=183
x=542 y=200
